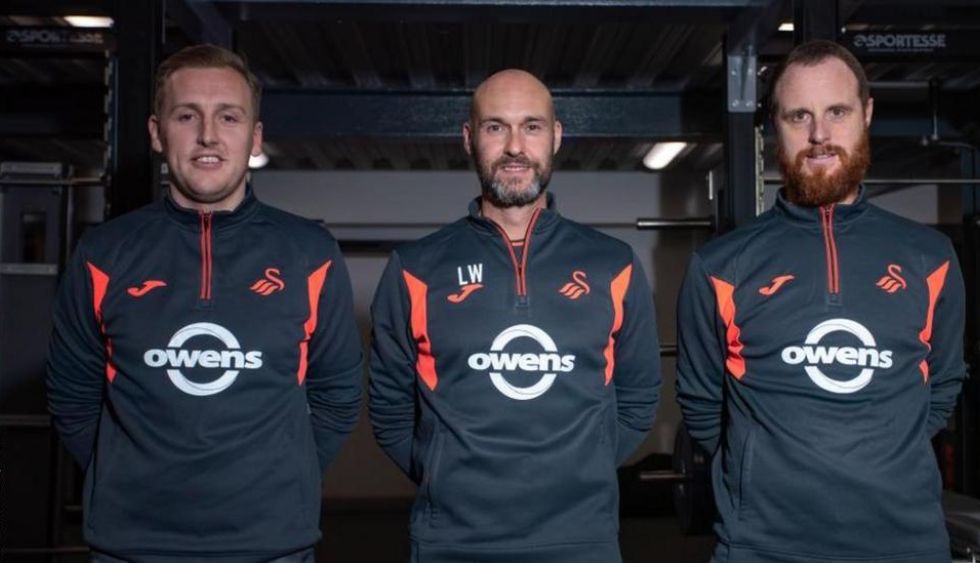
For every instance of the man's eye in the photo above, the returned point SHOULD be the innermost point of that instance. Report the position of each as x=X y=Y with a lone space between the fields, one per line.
x=798 y=116
x=182 y=117
x=493 y=128
x=230 y=118
x=534 y=127
x=838 y=112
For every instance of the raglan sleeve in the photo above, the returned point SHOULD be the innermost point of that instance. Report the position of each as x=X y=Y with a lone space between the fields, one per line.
x=76 y=364
x=700 y=356
x=946 y=368
x=636 y=375
x=334 y=375
x=392 y=369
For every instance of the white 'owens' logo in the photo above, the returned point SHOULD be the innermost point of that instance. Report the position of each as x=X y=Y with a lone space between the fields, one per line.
x=549 y=362
x=867 y=356
x=231 y=359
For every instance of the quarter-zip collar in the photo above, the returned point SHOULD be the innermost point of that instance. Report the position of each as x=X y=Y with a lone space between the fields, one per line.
x=827 y=219
x=220 y=220
x=542 y=220
x=547 y=218
x=814 y=216
x=204 y=225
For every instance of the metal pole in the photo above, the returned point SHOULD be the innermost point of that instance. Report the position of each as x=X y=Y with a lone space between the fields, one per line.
x=900 y=181
x=650 y=223
x=642 y=223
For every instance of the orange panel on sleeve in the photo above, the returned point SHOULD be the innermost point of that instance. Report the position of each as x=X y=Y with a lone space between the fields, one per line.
x=100 y=283
x=314 y=285
x=425 y=364
x=617 y=290
x=725 y=296
x=935 y=282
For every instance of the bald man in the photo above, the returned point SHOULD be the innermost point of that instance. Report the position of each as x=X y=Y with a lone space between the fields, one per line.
x=515 y=362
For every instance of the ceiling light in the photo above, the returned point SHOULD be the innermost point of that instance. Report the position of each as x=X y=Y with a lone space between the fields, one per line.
x=786 y=26
x=258 y=161
x=661 y=154
x=88 y=21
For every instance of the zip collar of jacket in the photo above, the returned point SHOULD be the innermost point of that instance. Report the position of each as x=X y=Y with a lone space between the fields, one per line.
x=810 y=216
x=220 y=220
x=547 y=217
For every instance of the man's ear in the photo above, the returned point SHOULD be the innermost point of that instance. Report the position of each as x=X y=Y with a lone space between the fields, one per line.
x=257 y=139
x=467 y=140
x=153 y=125
x=558 y=130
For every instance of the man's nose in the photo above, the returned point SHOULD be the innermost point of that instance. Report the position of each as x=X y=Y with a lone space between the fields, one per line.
x=206 y=133
x=515 y=143
x=819 y=131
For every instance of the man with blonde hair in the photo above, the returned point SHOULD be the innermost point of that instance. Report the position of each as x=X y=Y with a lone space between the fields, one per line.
x=204 y=367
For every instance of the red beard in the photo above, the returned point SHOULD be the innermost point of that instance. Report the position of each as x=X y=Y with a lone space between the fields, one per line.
x=815 y=190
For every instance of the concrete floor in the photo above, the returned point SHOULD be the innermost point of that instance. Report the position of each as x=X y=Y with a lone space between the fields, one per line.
x=382 y=537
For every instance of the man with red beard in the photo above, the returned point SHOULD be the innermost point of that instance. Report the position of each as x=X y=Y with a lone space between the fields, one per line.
x=820 y=348
x=515 y=362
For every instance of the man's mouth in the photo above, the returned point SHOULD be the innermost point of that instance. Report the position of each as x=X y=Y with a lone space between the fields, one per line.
x=821 y=157
x=207 y=162
x=514 y=166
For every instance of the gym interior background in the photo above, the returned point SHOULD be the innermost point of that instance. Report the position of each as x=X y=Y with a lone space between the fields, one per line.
x=362 y=110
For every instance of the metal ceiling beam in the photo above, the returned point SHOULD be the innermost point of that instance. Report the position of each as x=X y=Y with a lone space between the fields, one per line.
x=700 y=4
x=915 y=12
x=430 y=116
x=201 y=21
x=38 y=111
x=663 y=11
x=59 y=8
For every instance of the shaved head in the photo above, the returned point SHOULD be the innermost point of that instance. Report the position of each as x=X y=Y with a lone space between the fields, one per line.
x=512 y=136
x=510 y=82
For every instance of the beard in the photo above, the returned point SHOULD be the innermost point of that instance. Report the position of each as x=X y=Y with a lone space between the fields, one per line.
x=510 y=193
x=823 y=188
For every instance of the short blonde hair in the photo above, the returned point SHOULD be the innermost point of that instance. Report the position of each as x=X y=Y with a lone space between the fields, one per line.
x=205 y=56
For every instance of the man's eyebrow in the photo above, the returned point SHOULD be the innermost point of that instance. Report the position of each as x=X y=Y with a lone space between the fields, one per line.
x=790 y=111
x=221 y=107
x=238 y=107
x=495 y=119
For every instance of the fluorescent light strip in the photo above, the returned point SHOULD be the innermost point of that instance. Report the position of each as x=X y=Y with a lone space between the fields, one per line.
x=89 y=21
x=662 y=154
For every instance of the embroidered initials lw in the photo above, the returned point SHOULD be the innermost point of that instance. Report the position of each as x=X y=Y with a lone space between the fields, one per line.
x=467 y=285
